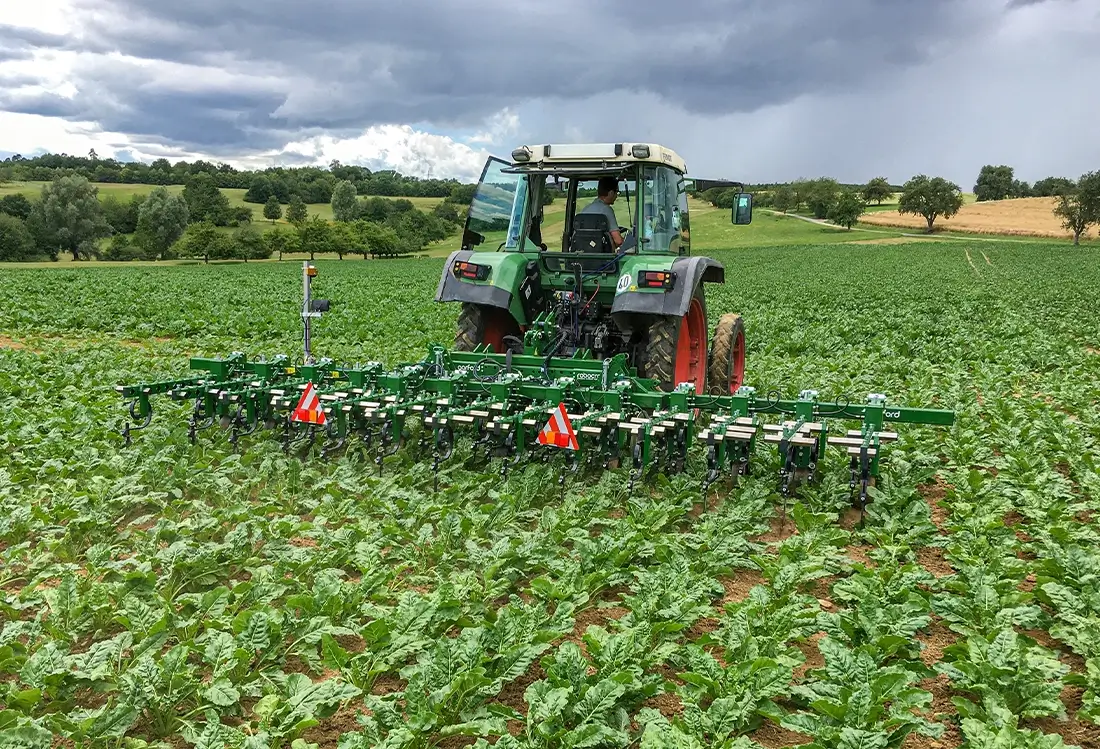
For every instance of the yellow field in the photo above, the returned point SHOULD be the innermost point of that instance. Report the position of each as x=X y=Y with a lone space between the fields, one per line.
x=1031 y=217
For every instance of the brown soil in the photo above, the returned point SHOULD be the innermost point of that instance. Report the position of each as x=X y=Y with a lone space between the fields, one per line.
x=1027 y=585
x=303 y=543
x=11 y=343
x=702 y=627
x=781 y=527
x=814 y=659
x=387 y=684
x=1030 y=217
x=738 y=586
x=859 y=554
x=849 y=519
x=933 y=494
x=351 y=643
x=1072 y=730
x=511 y=695
x=326 y=734
x=594 y=616
x=935 y=640
x=943 y=710
x=669 y=705
x=822 y=590
x=931 y=559
x=772 y=736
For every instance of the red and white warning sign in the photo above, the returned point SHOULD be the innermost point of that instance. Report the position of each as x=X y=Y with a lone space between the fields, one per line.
x=309 y=407
x=558 y=431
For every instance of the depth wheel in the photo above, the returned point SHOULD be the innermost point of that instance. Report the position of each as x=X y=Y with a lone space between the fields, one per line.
x=726 y=371
x=478 y=324
x=677 y=348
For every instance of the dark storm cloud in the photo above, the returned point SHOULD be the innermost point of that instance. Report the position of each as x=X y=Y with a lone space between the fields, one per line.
x=335 y=65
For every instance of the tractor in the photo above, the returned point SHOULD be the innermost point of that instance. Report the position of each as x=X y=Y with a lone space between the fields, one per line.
x=633 y=289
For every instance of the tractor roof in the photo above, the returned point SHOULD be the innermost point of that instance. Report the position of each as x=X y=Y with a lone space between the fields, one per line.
x=597 y=155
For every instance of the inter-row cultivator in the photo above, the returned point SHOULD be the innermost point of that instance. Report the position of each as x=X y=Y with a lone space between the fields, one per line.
x=592 y=356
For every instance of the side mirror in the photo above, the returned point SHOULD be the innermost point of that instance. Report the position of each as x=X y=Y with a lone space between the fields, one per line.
x=471 y=238
x=742 y=208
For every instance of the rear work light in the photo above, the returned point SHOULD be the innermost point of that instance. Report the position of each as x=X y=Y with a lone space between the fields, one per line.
x=655 y=279
x=472 y=271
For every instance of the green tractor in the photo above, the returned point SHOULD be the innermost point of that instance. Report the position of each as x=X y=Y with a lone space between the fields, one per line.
x=595 y=240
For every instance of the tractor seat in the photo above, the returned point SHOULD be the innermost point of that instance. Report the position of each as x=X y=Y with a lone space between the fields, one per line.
x=591 y=233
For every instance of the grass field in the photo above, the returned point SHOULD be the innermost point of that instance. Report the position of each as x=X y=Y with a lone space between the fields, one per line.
x=195 y=595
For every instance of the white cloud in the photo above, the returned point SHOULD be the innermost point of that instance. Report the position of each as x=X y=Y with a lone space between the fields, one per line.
x=54 y=16
x=399 y=147
x=501 y=126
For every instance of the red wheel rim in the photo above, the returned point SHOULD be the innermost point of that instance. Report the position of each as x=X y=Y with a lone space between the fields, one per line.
x=691 y=348
x=737 y=362
x=496 y=327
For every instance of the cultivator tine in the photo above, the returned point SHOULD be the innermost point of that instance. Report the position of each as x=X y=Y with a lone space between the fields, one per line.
x=610 y=412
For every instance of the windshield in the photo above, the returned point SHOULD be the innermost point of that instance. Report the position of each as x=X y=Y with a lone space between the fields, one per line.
x=496 y=211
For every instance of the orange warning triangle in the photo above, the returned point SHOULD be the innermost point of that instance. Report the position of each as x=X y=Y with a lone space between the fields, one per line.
x=309 y=407
x=558 y=431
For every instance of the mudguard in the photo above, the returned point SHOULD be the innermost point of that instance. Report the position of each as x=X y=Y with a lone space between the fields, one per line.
x=497 y=291
x=689 y=273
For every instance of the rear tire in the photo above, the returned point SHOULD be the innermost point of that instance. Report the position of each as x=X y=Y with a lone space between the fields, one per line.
x=726 y=370
x=676 y=349
x=478 y=324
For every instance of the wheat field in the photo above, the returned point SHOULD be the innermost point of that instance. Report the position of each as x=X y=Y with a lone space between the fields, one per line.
x=1021 y=216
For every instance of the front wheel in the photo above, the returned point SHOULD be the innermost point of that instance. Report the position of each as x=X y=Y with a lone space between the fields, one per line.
x=726 y=371
x=676 y=349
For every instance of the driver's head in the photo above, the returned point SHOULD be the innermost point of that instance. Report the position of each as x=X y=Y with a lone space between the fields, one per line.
x=608 y=189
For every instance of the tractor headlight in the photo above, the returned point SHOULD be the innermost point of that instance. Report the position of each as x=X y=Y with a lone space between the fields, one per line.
x=472 y=271
x=640 y=151
x=523 y=153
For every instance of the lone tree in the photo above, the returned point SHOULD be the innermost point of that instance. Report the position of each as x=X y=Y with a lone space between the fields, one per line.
x=272 y=209
x=822 y=195
x=1079 y=207
x=784 y=198
x=296 y=212
x=994 y=182
x=930 y=197
x=162 y=219
x=877 y=190
x=847 y=209
x=345 y=201
x=70 y=217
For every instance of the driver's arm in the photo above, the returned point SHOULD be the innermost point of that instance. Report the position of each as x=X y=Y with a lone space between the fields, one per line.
x=616 y=239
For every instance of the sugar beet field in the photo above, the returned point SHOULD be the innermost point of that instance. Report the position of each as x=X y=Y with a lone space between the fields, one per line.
x=175 y=595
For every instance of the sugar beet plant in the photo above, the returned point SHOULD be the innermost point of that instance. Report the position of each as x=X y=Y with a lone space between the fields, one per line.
x=176 y=595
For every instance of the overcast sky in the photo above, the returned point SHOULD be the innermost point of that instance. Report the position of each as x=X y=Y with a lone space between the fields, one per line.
x=759 y=90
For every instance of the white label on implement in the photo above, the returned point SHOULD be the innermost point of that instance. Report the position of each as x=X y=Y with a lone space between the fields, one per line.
x=624 y=283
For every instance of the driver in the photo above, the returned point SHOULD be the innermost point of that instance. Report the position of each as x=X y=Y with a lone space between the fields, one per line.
x=607 y=191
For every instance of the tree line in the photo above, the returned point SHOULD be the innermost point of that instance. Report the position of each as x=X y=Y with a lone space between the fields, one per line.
x=68 y=217
x=1077 y=205
x=823 y=197
x=312 y=184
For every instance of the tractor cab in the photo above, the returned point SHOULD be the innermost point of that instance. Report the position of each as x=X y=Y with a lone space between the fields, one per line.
x=593 y=242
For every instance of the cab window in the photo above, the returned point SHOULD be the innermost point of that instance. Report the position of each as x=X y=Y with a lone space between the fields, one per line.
x=660 y=210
